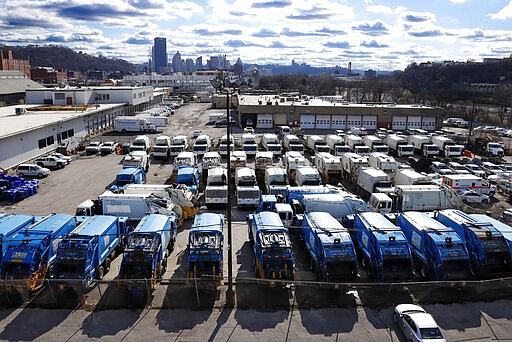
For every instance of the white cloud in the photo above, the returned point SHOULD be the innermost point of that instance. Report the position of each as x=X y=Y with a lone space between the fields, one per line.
x=379 y=9
x=504 y=13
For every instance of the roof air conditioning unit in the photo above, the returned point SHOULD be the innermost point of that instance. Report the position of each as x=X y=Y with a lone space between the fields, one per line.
x=20 y=111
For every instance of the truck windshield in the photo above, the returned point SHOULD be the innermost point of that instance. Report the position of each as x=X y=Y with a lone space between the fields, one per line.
x=312 y=182
x=81 y=212
x=406 y=149
x=205 y=240
x=432 y=148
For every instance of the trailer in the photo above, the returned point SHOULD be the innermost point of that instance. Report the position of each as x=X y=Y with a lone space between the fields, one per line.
x=385 y=251
x=438 y=252
x=488 y=249
x=146 y=252
x=86 y=253
x=32 y=251
x=330 y=247
x=274 y=258
x=161 y=149
x=205 y=251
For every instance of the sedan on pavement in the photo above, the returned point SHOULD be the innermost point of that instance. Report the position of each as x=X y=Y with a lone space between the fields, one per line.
x=416 y=324
x=472 y=196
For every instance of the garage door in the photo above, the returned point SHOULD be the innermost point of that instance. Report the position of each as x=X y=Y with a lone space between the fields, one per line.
x=399 y=122
x=307 y=121
x=323 y=121
x=353 y=121
x=370 y=121
x=264 y=121
x=413 y=121
x=339 y=121
x=428 y=123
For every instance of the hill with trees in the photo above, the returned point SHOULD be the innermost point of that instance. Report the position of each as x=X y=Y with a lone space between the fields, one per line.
x=60 y=57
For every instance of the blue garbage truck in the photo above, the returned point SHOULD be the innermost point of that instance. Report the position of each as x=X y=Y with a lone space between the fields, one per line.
x=274 y=258
x=85 y=254
x=438 y=252
x=32 y=252
x=189 y=176
x=488 y=249
x=9 y=225
x=128 y=175
x=330 y=247
x=147 y=249
x=205 y=246
x=385 y=252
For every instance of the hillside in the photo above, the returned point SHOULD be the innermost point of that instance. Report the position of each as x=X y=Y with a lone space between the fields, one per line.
x=61 y=57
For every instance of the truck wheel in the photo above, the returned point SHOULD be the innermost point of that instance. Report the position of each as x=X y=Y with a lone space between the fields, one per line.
x=123 y=131
x=39 y=175
x=21 y=175
x=101 y=273
x=107 y=265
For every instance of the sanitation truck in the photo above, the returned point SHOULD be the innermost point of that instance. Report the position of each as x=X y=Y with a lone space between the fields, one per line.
x=330 y=247
x=336 y=144
x=372 y=180
x=316 y=143
x=284 y=210
x=423 y=145
x=447 y=146
x=271 y=144
x=399 y=146
x=329 y=167
x=146 y=252
x=179 y=144
x=137 y=159
x=421 y=198
x=262 y=160
x=201 y=145
x=10 y=225
x=31 y=254
x=216 y=190
x=162 y=148
x=133 y=124
x=249 y=145
x=180 y=195
x=223 y=145
x=141 y=143
x=352 y=164
x=488 y=250
x=205 y=251
x=383 y=162
x=248 y=194
x=189 y=176
x=276 y=180
x=293 y=143
x=338 y=203
x=438 y=252
x=503 y=228
x=274 y=259
x=291 y=161
x=128 y=175
x=352 y=141
x=85 y=254
x=385 y=250
x=307 y=175
x=133 y=206
x=375 y=144
x=410 y=177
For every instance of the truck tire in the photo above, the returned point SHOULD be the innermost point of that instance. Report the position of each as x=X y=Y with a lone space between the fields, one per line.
x=123 y=131
x=21 y=175
x=39 y=175
x=107 y=265
x=100 y=273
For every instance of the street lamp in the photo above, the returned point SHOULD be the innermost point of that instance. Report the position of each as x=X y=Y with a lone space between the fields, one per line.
x=223 y=88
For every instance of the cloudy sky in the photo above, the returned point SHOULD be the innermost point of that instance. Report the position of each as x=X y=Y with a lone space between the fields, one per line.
x=378 y=34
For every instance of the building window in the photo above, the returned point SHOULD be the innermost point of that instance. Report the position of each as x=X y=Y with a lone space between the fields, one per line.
x=60 y=96
x=64 y=135
x=50 y=140
x=41 y=143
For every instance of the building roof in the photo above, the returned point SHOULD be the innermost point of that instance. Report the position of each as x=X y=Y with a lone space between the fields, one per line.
x=12 y=124
x=13 y=82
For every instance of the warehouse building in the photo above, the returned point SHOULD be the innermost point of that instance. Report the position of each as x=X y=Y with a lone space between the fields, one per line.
x=268 y=111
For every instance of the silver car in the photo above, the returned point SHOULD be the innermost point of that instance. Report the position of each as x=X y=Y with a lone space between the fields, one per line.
x=416 y=324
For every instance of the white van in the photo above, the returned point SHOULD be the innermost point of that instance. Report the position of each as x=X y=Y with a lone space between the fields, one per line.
x=32 y=170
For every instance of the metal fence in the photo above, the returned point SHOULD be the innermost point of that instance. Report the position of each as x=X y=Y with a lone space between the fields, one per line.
x=248 y=293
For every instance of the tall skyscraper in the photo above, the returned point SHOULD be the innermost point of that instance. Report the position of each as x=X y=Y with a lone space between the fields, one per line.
x=176 y=62
x=199 y=62
x=159 y=55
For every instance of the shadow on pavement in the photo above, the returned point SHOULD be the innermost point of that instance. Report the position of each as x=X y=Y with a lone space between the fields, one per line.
x=109 y=323
x=254 y=320
x=222 y=319
x=329 y=322
x=33 y=323
x=178 y=320
x=456 y=316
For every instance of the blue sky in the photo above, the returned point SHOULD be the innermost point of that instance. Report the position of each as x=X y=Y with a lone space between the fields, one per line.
x=378 y=34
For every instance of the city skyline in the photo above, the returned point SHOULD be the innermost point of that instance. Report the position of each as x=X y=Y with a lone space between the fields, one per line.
x=381 y=35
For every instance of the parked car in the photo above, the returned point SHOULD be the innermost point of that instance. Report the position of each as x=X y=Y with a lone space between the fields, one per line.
x=93 y=148
x=471 y=196
x=506 y=167
x=491 y=168
x=32 y=170
x=51 y=162
x=108 y=147
x=416 y=324
x=475 y=169
x=61 y=156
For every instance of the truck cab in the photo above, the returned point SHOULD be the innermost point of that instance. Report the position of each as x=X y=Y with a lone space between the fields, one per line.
x=128 y=175
x=284 y=210
x=381 y=202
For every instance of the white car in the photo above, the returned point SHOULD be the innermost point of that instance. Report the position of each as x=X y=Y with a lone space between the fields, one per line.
x=416 y=324
x=471 y=196
x=475 y=169
x=32 y=170
x=61 y=156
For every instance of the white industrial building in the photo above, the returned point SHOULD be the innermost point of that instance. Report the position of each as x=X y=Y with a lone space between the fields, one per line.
x=180 y=81
x=28 y=131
